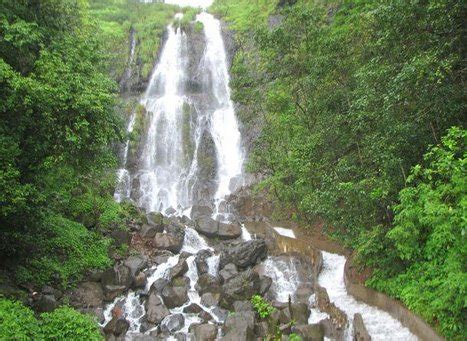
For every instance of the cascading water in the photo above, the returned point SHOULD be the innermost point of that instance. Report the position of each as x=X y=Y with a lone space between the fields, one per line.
x=123 y=188
x=224 y=125
x=379 y=324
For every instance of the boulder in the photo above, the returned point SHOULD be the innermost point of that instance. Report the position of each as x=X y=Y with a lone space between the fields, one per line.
x=309 y=332
x=229 y=231
x=240 y=326
x=156 y=311
x=229 y=271
x=265 y=284
x=136 y=263
x=360 y=333
x=214 y=229
x=179 y=269
x=150 y=231
x=156 y=219
x=240 y=306
x=245 y=254
x=46 y=304
x=158 y=285
x=170 y=211
x=86 y=295
x=209 y=299
x=121 y=237
x=140 y=281
x=119 y=275
x=205 y=316
x=117 y=326
x=198 y=211
x=113 y=291
x=201 y=261
x=172 y=323
x=204 y=332
x=240 y=287
x=174 y=296
x=207 y=226
x=207 y=283
x=193 y=308
x=299 y=312
x=168 y=241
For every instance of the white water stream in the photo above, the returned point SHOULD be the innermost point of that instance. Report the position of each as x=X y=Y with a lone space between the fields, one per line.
x=379 y=324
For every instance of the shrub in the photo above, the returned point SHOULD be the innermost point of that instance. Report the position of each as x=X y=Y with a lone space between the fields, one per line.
x=17 y=322
x=68 y=249
x=67 y=324
x=262 y=307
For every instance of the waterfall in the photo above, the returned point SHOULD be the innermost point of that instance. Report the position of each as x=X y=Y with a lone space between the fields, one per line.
x=123 y=188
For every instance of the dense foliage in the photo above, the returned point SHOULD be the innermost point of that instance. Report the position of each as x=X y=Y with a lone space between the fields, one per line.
x=351 y=94
x=17 y=322
x=57 y=126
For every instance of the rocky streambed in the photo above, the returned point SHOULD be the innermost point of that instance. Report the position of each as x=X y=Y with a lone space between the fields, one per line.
x=193 y=279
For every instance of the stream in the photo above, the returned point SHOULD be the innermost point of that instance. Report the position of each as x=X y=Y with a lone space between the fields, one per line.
x=191 y=156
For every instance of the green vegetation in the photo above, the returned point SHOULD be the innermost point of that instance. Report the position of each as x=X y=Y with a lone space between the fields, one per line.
x=117 y=17
x=262 y=307
x=350 y=96
x=17 y=322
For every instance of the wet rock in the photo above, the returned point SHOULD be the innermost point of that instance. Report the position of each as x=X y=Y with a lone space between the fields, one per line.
x=220 y=313
x=299 y=312
x=262 y=329
x=193 y=308
x=168 y=241
x=229 y=271
x=214 y=229
x=158 y=285
x=207 y=283
x=207 y=226
x=150 y=231
x=242 y=306
x=265 y=284
x=113 y=291
x=303 y=293
x=240 y=326
x=201 y=261
x=179 y=269
x=198 y=211
x=140 y=280
x=172 y=323
x=205 y=316
x=278 y=317
x=210 y=299
x=156 y=311
x=46 y=303
x=117 y=327
x=245 y=254
x=309 y=332
x=174 y=296
x=156 y=219
x=229 y=231
x=360 y=333
x=120 y=237
x=204 y=332
x=117 y=275
x=240 y=287
x=95 y=275
x=86 y=295
x=136 y=263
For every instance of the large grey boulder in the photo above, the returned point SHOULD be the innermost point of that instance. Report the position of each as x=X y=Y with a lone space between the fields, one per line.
x=136 y=263
x=204 y=332
x=172 y=323
x=240 y=326
x=245 y=254
x=115 y=281
x=174 y=296
x=207 y=283
x=156 y=311
x=198 y=211
x=240 y=288
x=168 y=241
x=227 y=272
x=214 y=229
x=201 y=261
